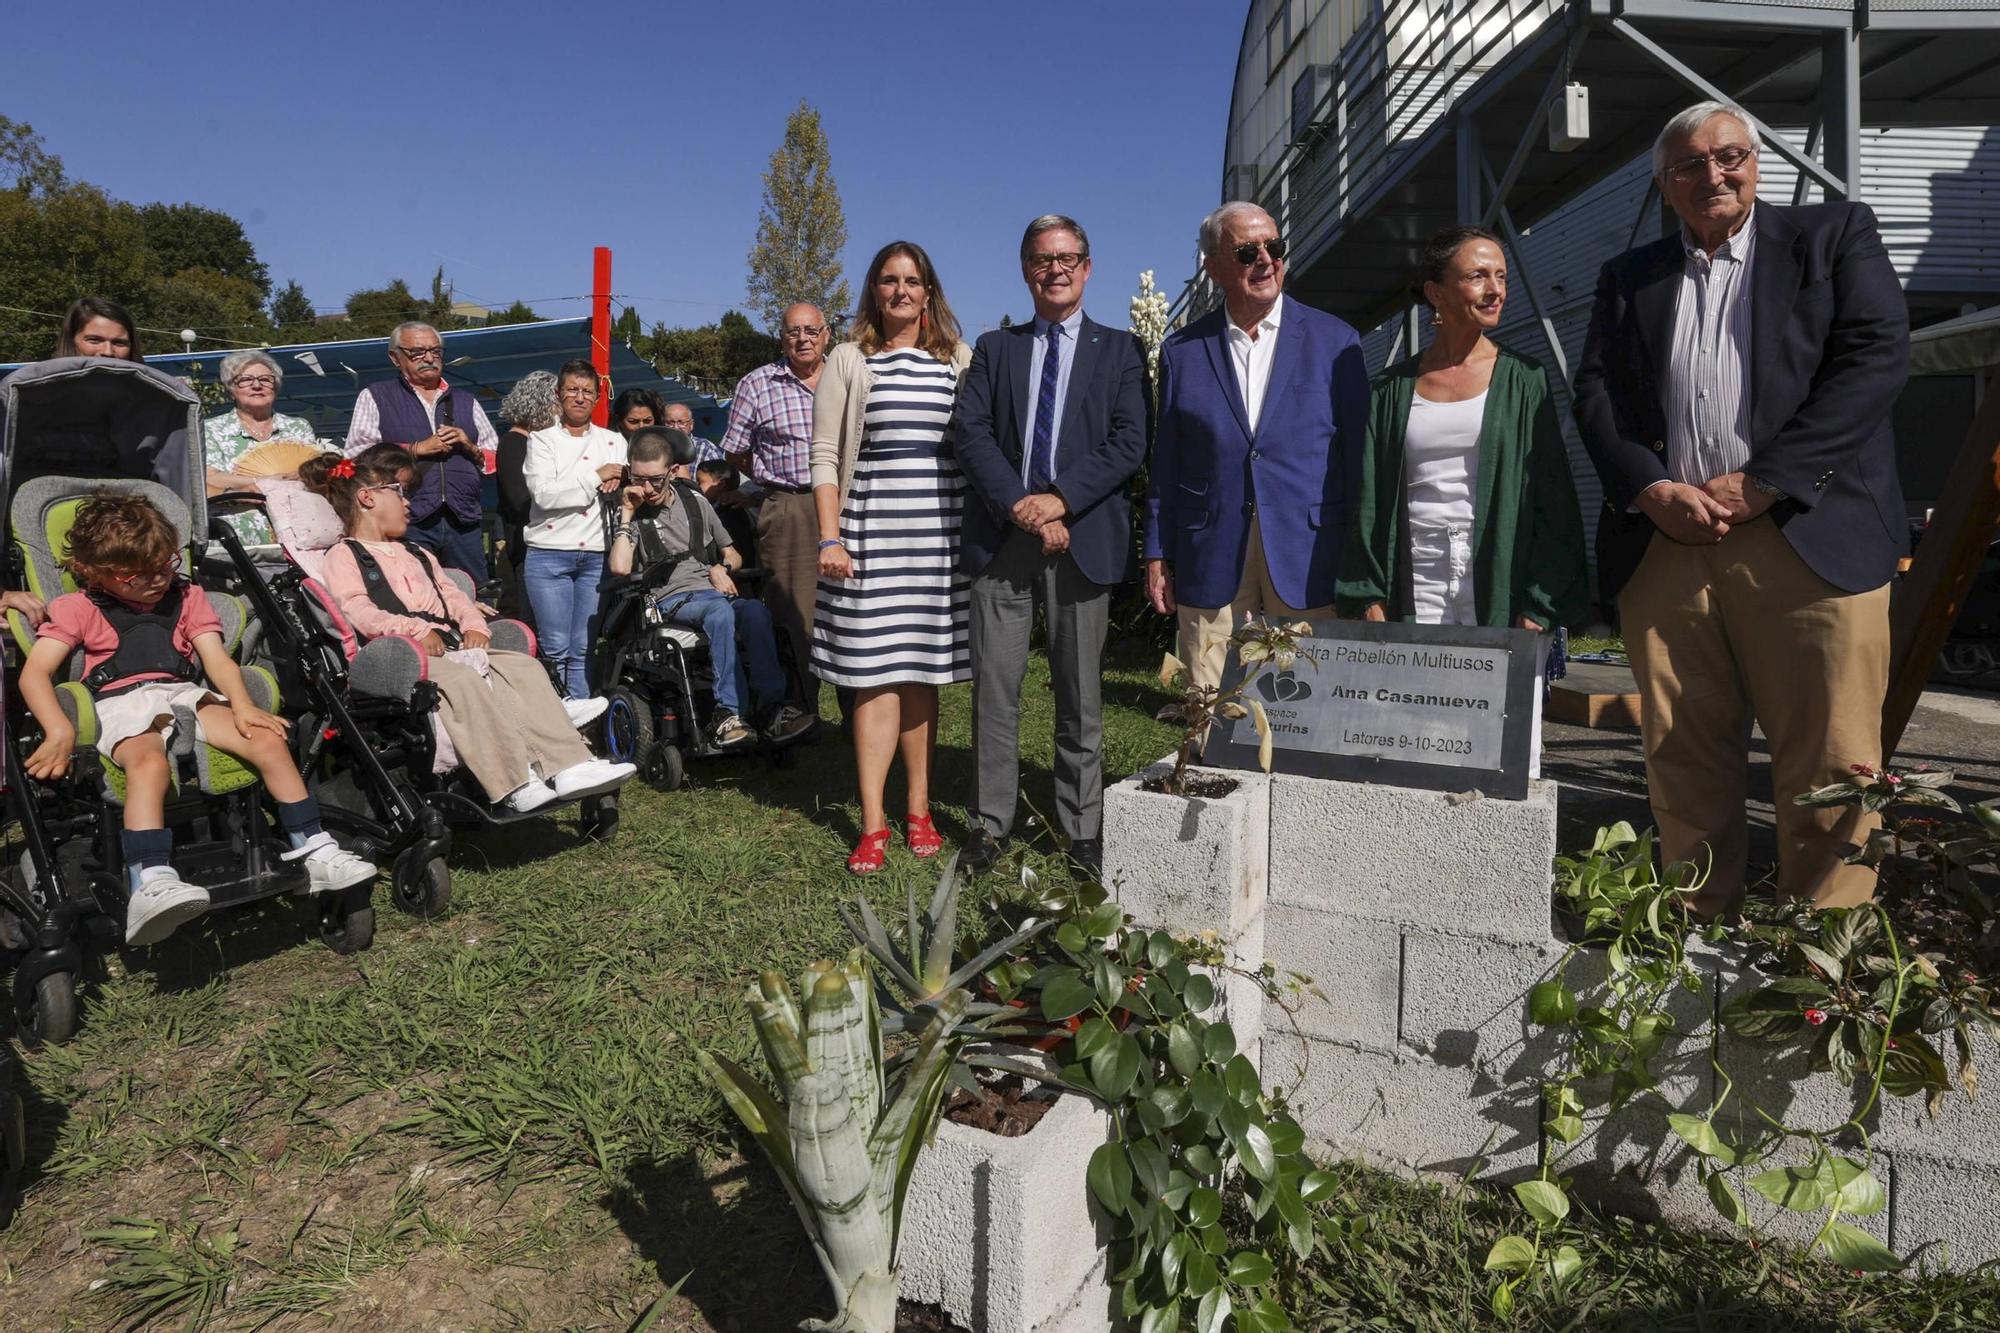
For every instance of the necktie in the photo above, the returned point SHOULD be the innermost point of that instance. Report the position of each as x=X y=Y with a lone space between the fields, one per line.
x=1042 y=463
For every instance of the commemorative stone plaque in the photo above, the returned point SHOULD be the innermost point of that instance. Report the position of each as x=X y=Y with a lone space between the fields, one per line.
x=1445 y=707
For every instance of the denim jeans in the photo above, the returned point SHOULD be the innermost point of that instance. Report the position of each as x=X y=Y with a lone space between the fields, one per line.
x=562 y=587
x=721 y=619
x=456 y=543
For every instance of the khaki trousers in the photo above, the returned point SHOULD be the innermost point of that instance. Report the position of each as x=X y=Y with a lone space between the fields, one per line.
x=788 y=546
x=501 y=725
x=1720 y=634
x=1205 y=632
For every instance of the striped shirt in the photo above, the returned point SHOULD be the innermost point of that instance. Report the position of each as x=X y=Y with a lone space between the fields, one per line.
x=771 y=419
x=1708 y=375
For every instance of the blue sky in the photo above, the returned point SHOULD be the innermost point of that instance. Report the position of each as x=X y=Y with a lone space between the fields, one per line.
x=359 y=142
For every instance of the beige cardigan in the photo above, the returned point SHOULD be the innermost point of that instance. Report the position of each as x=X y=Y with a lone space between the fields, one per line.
x=839 y=404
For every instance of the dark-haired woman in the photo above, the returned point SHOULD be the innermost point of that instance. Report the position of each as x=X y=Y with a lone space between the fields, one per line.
x=892 y=617
x=97 y=327
x=1467 y=513
x=636 y=409
x=569 y=466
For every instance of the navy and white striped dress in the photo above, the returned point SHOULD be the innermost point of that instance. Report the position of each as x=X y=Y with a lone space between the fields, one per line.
x=902 y=617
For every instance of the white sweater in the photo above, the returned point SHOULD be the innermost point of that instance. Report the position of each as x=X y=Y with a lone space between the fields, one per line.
x=561 y=472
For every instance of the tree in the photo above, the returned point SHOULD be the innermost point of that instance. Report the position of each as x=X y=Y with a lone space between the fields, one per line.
x=185 y=236
x=372 y=312
x=801 y=228
x=626 y=328
x=223 y=308
x=518 y=313
x=712 y=357
x=54 y=248
x=290 y=310
x=25 y=166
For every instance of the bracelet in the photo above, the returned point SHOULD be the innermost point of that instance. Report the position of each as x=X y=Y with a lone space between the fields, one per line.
x=831 y=542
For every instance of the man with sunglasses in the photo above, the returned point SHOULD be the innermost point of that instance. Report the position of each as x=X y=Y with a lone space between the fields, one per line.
x=1263 y=409
x=669 y=534
x=770 y=441
x=448 y=433
x=1735 y=393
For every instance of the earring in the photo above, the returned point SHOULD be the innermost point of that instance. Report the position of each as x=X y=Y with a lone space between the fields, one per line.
x=1437 y=320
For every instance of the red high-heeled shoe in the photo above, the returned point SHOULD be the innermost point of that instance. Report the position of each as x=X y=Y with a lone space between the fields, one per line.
x=869 y=853
x=921 y=836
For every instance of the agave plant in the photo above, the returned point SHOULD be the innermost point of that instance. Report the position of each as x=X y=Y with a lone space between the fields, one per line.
x=841 y=1135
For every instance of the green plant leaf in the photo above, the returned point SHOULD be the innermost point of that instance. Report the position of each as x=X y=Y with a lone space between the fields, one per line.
x=1172 y=1103
x=1565 y=1263
x=1172 y=1257
x=1287 y=1138
x=1109 y=981
x=1551 y=1003
x=1250 y=1268
x=1766 y=1014
x=1565 y=1128
x=1239 y=1076
x=1511 y=1254
x=1161 y=1318
x=1699 y=1134
x=1833 y=967
x=1159 y=949
x=1851 y=1247
x=1213 y=1312
x=1199 y=1276
x=1253 y=1145
x=1218 y=1043
x=1094 y=1036
x=1113 y=1070
x=1204 y=1207
x=1065 y=994
x=1861 y=1194
x=1318 y=1185
x=1110 y=1176
x=1199 y=993
x=1183 y=1050
x=1726 y=1200
x=1149 y=1165
x=1796 y=1188
x=1545 y=1202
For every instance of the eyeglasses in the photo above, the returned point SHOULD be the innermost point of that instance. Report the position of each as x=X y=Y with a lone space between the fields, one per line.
x=166 y=571
x=580 y=391
x=254 y=382
x=1247 y=254
x=655 y=482
x=1065 y=260
x=1726 y=160
x=431 y=353
x=804 y=331
x=395 y=486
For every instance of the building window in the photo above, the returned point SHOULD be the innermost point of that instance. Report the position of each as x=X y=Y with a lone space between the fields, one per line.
x=1278 y=38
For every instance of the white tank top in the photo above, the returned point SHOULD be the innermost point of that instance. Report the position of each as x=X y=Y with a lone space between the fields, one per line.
x=1441 y=459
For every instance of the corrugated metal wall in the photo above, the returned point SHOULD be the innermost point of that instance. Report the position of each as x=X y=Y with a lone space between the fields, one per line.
x=1935 y=192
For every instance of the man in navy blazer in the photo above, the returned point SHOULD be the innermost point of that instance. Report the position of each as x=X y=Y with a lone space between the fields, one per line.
x=1263 y=411
x=1735 y=393
x=1049 y=427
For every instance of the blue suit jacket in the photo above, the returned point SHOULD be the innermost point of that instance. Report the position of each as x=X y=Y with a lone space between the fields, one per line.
x=1298 y=469
x=1830 y=349
x=1099 y=445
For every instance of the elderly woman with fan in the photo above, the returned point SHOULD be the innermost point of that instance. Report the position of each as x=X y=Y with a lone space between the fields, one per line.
x=254 y=441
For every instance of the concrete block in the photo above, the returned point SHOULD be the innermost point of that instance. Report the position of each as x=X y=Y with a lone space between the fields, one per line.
x=1465 y=1001
x=1356 y=966
x=1420 y=858
x=1404 y=1112
x=1942 y=1209
x=1240 y=999
x=1963 y=1128
x=1002 y=1233
x=1189 y=864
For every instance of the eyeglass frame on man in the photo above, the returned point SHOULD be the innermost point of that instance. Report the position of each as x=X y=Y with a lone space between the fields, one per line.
x=424 y=353
x=1066 y=260
x=1696 y=167
x=253 y=382
x=1246 y=253
x=802 y=331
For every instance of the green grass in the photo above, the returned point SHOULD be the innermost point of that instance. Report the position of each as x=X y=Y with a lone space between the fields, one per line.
x=494 y=1119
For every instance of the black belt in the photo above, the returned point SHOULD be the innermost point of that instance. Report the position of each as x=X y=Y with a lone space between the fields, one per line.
x=783 y=489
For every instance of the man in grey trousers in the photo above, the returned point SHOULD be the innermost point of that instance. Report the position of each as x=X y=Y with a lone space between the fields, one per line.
x=1050 y=426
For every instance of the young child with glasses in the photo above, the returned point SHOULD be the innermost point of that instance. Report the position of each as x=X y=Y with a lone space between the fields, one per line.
x=504 y=718
x=149 y=639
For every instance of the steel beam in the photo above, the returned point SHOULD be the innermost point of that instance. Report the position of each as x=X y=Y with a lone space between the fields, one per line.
x=1840 y=108
x=1800 y=186
x=1548 y=327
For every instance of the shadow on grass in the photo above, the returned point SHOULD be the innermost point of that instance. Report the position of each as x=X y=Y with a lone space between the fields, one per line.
x=748 y=1266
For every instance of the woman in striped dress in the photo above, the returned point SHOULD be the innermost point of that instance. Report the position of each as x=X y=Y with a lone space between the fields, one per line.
x=892 y=615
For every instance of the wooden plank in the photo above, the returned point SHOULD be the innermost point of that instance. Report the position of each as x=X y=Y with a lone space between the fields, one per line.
x=1927 y=600
x=1594 y=695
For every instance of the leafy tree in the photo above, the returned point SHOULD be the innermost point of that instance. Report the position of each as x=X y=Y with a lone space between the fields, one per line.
x=56 y=247
x=185 y=236
x=372 y=312
x=1006 y=321
x=518 y=313
x=228 y=309
x=627 y=328
x=801 y=227
x=714 y=356
x=291 y=310
x=25 y=166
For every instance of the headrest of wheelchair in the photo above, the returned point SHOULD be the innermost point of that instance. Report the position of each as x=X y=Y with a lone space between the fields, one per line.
x=680 y=445
x=44 y=510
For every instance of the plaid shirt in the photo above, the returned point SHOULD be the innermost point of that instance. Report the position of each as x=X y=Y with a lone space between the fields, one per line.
x=771 y=419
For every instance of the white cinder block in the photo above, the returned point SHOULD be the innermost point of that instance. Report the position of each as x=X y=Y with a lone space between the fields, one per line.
x=1189 y=864
x=1356 y=967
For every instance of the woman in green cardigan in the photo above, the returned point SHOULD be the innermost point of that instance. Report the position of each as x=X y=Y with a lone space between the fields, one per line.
x=1466 y=514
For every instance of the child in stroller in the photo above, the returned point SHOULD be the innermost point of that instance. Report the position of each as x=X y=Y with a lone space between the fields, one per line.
x=510 y=729
x=149 y=637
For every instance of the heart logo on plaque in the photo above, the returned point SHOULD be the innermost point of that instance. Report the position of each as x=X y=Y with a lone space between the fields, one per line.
x=1283 y=688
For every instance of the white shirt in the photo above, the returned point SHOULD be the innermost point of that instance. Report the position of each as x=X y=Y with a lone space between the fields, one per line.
x=1253 y=359
x=1441 y=459
x=561 y=472
x=1708 y=375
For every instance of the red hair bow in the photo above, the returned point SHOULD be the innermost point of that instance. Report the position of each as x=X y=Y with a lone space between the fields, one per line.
x=344 y=469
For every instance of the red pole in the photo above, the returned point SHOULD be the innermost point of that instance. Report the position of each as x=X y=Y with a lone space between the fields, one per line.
x=600 y=330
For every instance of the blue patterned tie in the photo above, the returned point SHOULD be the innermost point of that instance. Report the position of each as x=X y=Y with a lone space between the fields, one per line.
x=1042 y=464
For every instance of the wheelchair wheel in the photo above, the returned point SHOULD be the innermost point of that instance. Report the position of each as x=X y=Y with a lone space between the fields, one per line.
x=600 y=818
x=628 y=727
x=51 y=1016
x=665 y=767
x=422 y=887
x=346 y=931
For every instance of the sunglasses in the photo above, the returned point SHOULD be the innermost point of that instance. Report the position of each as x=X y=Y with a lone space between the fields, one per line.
x=166 y=571
x=653 y=483
x=1247 y=254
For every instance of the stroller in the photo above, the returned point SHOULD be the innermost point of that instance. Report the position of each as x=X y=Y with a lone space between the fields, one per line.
x=74 y=426
x=373 y=751
x=660 y=683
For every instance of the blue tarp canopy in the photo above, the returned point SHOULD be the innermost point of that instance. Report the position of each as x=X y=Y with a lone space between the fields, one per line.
x=322 y=379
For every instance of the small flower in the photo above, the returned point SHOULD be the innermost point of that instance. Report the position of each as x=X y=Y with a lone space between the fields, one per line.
x=1892 y=779
x=1863 y=769
x=1816 y=1017
x=343 y=469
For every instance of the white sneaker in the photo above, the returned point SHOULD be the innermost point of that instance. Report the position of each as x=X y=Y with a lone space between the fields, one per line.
x=162 y=904
x=583 y=712
x=331 y=867
x=532 y=795
x=592 y=777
